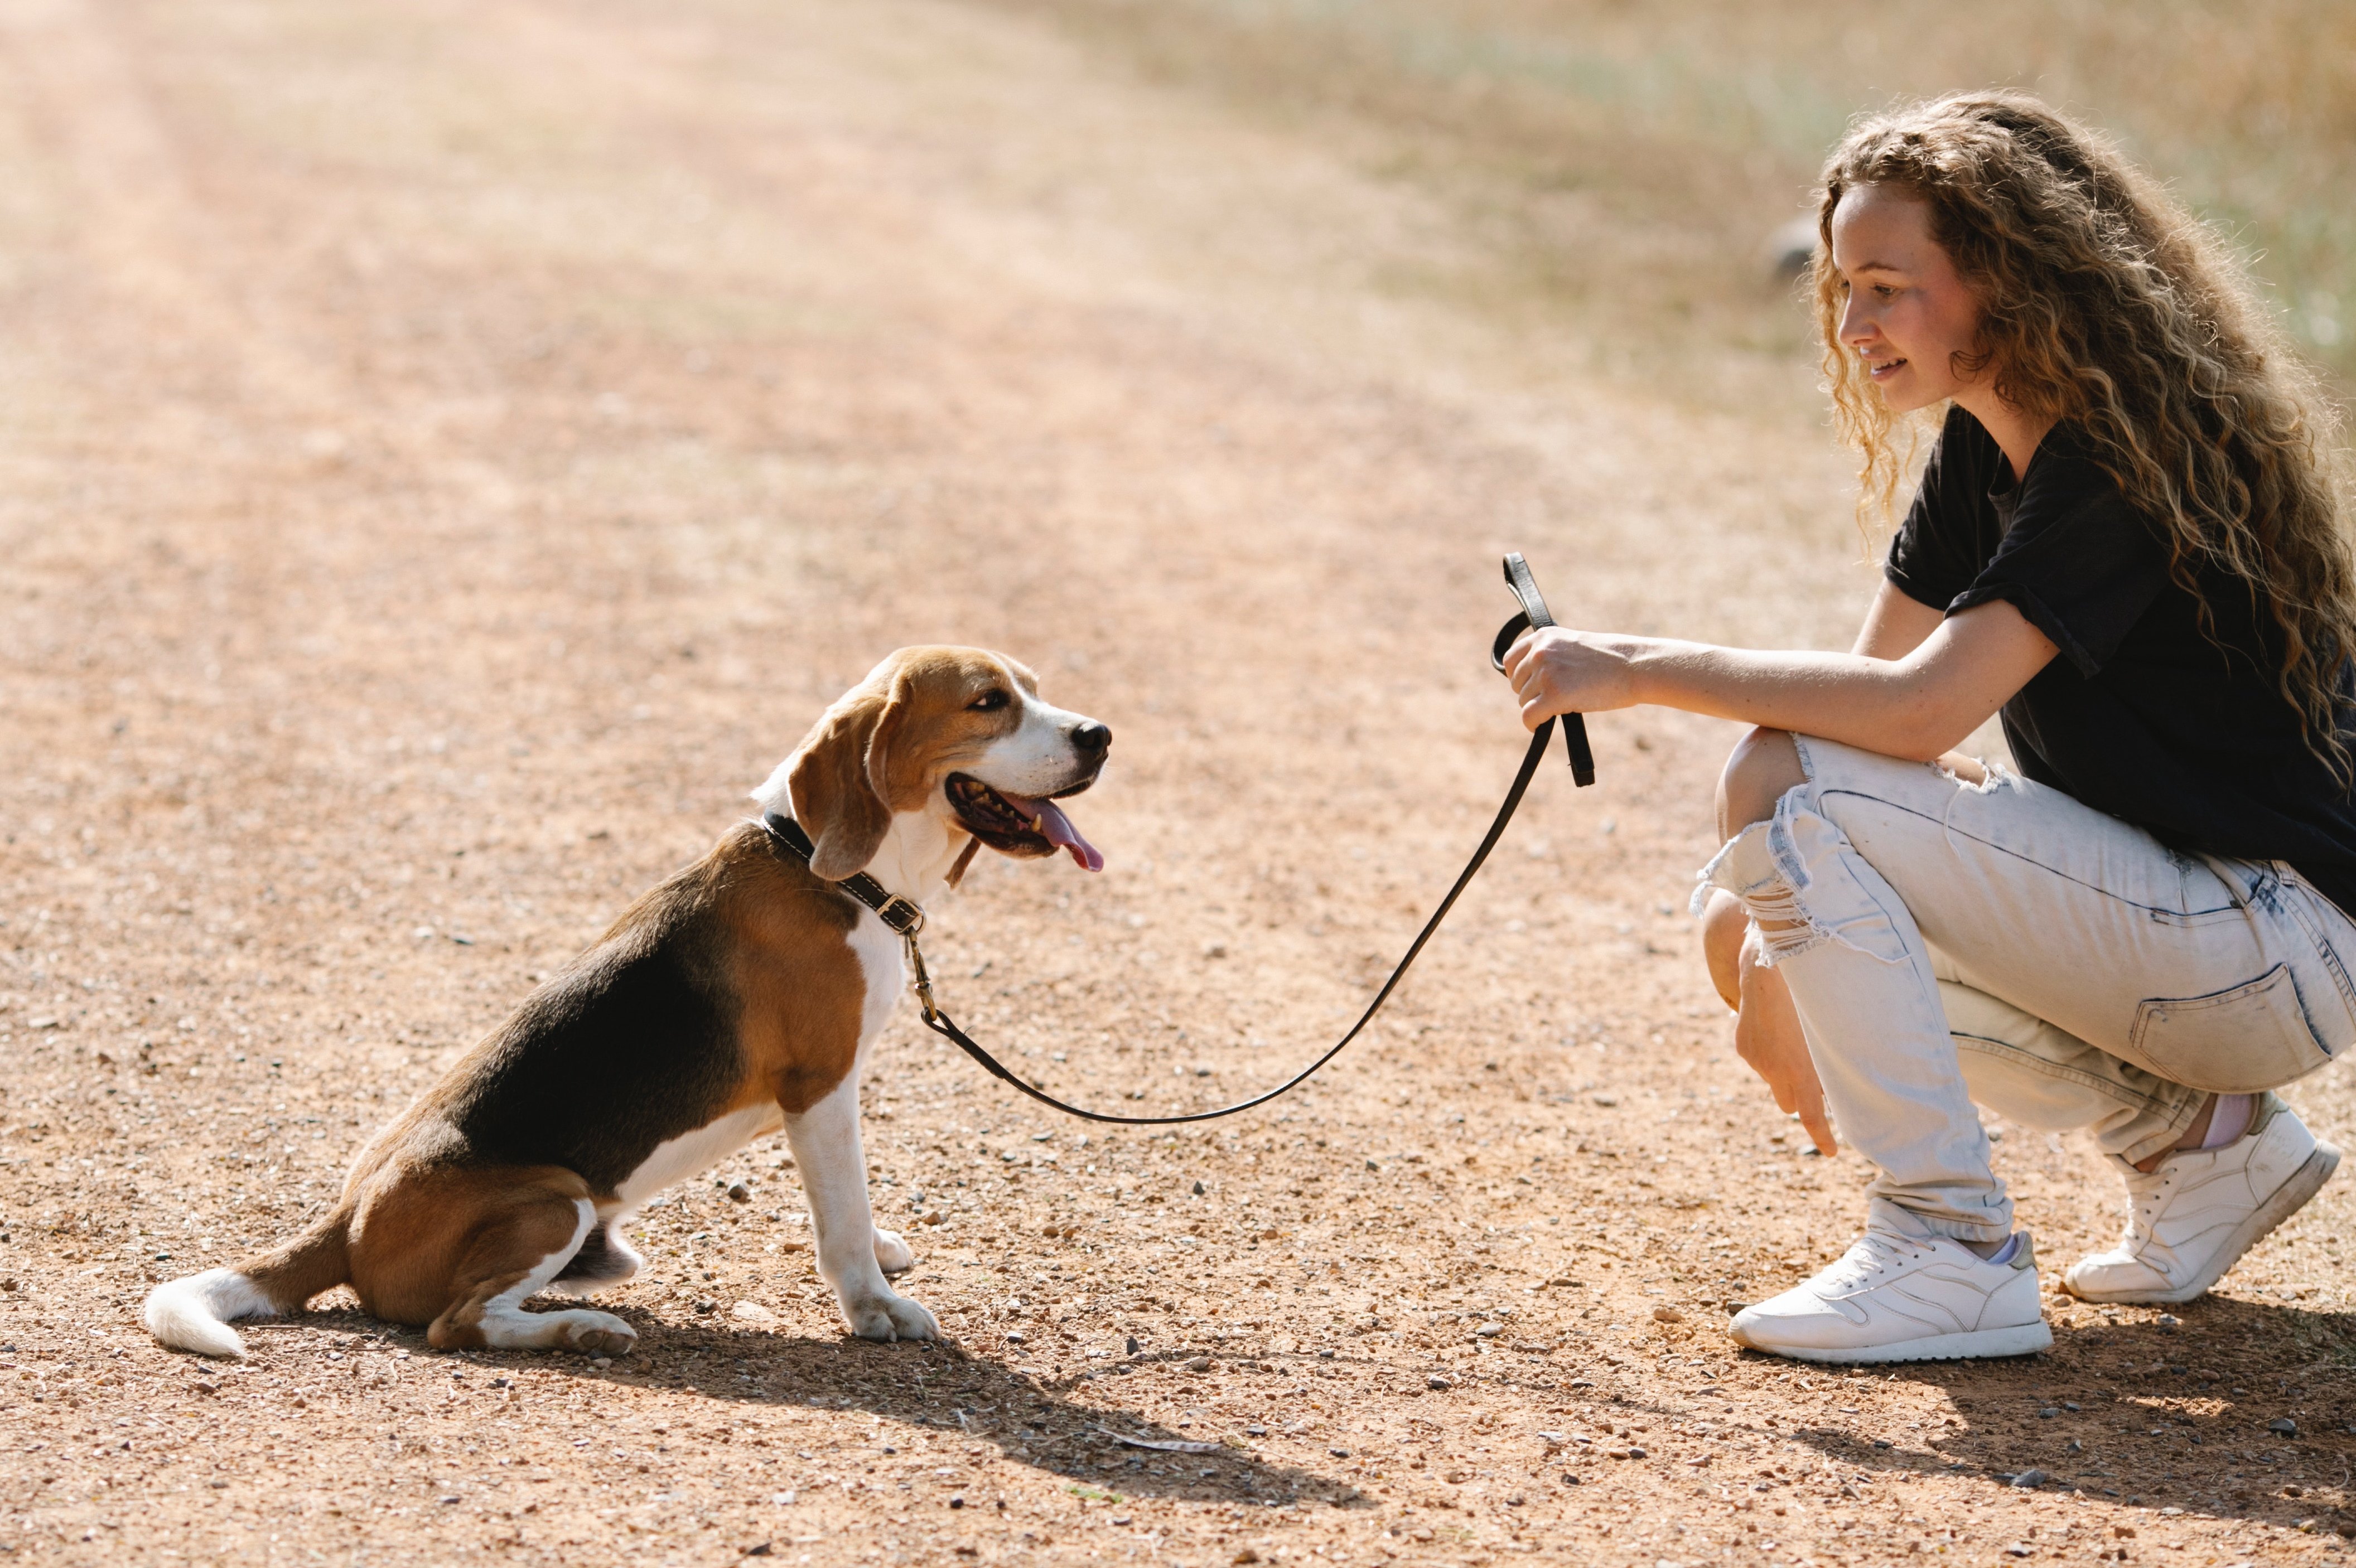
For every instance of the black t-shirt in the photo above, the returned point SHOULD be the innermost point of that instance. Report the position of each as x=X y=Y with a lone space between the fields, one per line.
x=2142 y=715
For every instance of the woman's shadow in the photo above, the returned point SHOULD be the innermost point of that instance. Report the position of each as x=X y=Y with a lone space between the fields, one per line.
x=2239 y=1412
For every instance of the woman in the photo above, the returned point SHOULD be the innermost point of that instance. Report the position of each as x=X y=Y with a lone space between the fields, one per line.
x=2127 y=542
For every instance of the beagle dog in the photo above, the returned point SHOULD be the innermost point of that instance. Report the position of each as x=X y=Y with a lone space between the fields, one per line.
x=737 y=999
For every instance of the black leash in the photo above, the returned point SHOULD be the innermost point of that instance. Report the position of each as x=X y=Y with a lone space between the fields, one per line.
x=906 y=920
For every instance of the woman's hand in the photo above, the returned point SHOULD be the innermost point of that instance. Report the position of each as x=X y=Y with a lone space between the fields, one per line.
x=1556 y=671
x=1767 y=1036
x=1767 y=1033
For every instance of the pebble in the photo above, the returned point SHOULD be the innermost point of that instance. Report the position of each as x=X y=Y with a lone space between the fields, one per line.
x=1133 y=1346
x=752 y=1312
x=1198 y=1190
x=2049 y=1413
x=1668 y=1314
x=2284 y=1426
x=1436 y=1381
x=1198 y=1364
x=2169 y=1323
x=2031 y=1479
x=738 y=1192
x=704 y=1308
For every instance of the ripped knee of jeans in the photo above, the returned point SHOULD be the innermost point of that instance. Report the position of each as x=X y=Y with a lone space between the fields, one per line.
x=1776 y=869
x=1747 y=867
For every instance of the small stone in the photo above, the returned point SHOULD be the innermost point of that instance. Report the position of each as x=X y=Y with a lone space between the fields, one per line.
x=752 y=1312
x=1372 y=1166
x=2169 y=1323
x=763 y=1550
x=2072 y=1405
x=957 y=1503
x=1882 y=1443
x=1198 y=1363
x=2030 y=1479
x=1014 y=1336
x=2047 y=1413
x=1606 y=1101
x=1339 y=1453
x=1199 y=1190
x=2283 y=1426
x=1668 y=1314
x=1133 y=1347
x=1246 y=1555
x=2017 y=1548
x=1436 y=1381
x=1636 y=1452
x=705 y=1308
x=739 y=1192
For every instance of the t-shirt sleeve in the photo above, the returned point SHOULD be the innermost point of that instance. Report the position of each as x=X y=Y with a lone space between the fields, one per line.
x=2078 y=562
x=1938 y=552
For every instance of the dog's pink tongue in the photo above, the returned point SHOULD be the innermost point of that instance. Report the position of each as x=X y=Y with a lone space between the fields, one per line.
x=1057 y=828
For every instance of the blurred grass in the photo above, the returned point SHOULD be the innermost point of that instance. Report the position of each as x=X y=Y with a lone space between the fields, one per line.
x=1625 y=163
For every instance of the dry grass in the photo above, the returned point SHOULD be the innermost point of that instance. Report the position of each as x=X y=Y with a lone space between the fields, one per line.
x=1628 y=162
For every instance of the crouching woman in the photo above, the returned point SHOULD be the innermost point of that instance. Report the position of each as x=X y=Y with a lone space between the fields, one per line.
x=2127 y=541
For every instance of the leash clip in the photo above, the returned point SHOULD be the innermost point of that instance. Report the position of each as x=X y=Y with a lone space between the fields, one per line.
x=921 y=979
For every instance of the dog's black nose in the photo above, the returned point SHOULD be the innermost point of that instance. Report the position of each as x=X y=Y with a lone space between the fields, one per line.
x=1091 y=736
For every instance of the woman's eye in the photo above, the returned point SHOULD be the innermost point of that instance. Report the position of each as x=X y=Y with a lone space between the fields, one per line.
x=988 y=702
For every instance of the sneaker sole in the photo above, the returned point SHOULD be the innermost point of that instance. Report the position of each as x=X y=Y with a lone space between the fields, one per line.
x=2026 y=1339
x=2284 y=1200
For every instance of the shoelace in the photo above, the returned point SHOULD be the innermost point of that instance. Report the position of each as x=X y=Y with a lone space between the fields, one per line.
x=1870 y=1254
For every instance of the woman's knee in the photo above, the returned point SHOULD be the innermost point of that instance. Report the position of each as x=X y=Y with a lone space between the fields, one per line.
x=1764 y=767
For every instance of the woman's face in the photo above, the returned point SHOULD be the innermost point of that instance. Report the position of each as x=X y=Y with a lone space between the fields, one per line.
x=1908 y=314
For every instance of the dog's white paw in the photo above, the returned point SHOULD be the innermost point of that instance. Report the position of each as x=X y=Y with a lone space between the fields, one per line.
x=892 y=1253
x=888 y=1317
x=599 y=1334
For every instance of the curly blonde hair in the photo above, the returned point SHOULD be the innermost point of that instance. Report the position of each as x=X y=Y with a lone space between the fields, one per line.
x=2103 y=302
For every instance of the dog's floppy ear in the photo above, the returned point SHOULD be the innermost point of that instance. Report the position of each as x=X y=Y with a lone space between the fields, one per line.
x=837 y=778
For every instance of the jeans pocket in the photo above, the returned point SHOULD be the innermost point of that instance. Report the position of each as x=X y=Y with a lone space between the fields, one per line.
x=2236 y=1041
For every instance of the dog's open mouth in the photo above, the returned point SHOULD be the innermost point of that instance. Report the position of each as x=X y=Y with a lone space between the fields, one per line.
x=1018 y=825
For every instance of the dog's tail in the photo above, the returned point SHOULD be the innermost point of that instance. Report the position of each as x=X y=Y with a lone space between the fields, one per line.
x=195 y=1313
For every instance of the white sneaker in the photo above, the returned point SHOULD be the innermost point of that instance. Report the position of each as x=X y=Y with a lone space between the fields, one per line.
x=1896 y=1298
x=2191 y=1219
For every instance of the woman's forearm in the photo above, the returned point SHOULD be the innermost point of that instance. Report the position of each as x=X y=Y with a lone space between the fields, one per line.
x=1881 y=705
x=1918 y=705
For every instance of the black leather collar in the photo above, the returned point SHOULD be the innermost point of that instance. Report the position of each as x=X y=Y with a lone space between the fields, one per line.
x=902 y=915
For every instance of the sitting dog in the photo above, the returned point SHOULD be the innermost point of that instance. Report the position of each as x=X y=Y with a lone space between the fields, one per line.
x=738 y=997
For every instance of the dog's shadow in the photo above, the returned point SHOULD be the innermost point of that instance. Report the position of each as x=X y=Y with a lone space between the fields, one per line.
x=1067 y=1426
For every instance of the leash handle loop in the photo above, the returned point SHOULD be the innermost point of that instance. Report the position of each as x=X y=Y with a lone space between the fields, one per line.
x=1534 y=615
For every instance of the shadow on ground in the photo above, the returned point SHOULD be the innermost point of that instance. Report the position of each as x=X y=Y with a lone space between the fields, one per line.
x=2176 y=1417
x=1068 y=1427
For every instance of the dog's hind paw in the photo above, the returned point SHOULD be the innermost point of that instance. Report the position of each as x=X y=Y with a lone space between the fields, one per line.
x=599 y=1334
x=892 y=1253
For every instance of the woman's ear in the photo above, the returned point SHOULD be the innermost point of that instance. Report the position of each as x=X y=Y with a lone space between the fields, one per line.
x=835 y=775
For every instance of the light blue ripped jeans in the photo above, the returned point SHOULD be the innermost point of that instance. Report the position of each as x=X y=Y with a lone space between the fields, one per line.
x=1947 y=944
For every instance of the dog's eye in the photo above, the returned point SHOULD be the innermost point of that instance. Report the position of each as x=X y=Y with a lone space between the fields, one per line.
x=988 y=702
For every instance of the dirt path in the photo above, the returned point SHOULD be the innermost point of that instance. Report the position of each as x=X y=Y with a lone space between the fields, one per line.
x=451 y=452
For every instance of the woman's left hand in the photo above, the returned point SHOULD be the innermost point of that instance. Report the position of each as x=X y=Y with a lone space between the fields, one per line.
x=1556 y=670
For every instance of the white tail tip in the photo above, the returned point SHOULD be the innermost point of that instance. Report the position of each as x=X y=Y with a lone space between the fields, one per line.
x=192 y=1314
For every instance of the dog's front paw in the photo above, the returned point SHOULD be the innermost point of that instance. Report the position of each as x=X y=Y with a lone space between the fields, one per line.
x=888 y=1317
x=892 y=1253
x=598 y=1334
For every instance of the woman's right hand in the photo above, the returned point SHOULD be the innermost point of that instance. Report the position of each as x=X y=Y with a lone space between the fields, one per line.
x=1767 y=1033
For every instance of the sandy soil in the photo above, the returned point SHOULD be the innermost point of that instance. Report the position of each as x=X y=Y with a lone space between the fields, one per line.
x=451 y=452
